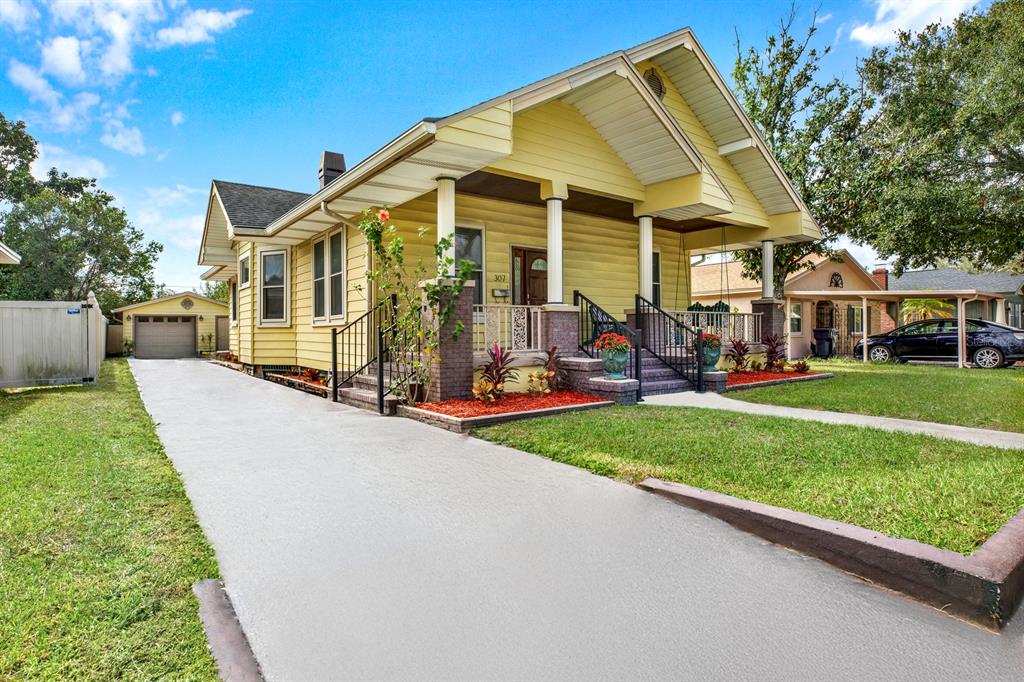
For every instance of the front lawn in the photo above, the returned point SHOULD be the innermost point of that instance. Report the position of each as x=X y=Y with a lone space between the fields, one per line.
x=99 y=547
x=944 y=493
x=988 y=399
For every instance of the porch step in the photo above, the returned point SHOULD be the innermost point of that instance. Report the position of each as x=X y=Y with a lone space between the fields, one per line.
x=662 y=386
x=366 y=399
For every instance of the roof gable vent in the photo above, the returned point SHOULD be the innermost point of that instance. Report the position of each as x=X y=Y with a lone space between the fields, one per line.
x=654 y=82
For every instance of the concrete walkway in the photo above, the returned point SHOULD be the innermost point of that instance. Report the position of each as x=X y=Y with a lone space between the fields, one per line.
x=362 y=547
x=716 y=401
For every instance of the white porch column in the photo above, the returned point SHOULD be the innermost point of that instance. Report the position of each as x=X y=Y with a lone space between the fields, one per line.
x=1001 y=310
x=768 y=269
x=446 y=214
x=864 y=319
x=789 y=329
x=554 y=193
x=961 y=334
x=647 y=257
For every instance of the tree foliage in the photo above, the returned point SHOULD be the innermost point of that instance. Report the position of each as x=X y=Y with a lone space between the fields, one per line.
x=812 y=127
x=71 y=246
x=218 y=291
x=946 y=154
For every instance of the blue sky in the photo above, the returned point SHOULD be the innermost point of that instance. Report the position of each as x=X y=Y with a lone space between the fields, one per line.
x=156 y=97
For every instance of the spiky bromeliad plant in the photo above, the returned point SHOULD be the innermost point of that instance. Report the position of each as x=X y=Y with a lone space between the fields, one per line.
x=413 y=335
x=495 y=375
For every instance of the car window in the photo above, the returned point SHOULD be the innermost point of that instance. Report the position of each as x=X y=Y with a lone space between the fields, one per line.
x=950 y=327
x=927 y=327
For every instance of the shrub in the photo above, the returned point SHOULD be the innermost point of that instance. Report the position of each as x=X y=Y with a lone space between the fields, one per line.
x=774 y=352
x=538 y=383
x=555 y=373
x=800 y=367
x=311 y=375
x=756 y=366
x=738 y=353
x=496 y=373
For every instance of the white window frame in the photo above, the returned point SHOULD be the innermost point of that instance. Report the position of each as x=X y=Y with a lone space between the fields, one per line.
x=799 y=305
x=479 y=227
x=328 y=274
x=319 y=319
x=261 y=254
x=233 y=303
x=248 y=269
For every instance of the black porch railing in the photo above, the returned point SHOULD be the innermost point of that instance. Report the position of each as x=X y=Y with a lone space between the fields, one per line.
x=666 y=337
x=395 y=369
x=355 y=347
x=594 y=321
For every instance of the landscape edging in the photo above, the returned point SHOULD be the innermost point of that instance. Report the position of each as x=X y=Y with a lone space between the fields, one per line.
x=777 y=382
x=465 y=424
x=984 y=588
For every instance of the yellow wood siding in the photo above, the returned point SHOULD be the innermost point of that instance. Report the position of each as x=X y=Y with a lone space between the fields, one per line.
x=270 y=345
x=490 y=129
x=246 y=307
x=208 y=310
x=746 y=210
x=555 y=141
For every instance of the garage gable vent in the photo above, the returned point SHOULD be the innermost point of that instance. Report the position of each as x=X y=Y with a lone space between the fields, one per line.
x=654 y=82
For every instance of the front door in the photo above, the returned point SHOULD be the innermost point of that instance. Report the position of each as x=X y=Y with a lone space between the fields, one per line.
x=529 y=276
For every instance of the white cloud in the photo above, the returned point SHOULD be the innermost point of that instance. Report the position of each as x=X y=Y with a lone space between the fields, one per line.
x=177 y=118
x=198 y=26
x=895 y=15
x=75 y=114
x=122 y=138
x=51 y=156
x=118 y=25
x=62 y=57
x=33 y=84
x=17 y=14
x=185 y=232
x=824 y=18
x=171 y=196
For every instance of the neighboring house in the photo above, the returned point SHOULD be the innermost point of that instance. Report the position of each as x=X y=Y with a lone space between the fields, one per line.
x=714 y=282
x=604 y=179
x=1010 y=285
x=176 y=326
x=7 y=255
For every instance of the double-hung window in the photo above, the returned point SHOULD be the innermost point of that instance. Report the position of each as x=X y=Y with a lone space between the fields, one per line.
x=234 y=301
x=656 y=277
x=796 y=322
x=329 y=277
x=274 y=287
x=243 y=272
x=469 y=245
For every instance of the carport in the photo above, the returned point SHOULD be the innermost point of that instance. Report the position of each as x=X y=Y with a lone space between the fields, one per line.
x=961 y=296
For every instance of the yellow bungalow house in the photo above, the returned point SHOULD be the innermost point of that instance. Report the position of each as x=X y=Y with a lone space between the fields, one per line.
x=604 y=180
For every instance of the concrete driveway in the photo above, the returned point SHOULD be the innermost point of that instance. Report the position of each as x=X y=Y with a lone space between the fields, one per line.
x=362 y=547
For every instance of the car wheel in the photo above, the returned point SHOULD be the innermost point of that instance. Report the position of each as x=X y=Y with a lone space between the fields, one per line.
x=988 y=358
x=880 y=354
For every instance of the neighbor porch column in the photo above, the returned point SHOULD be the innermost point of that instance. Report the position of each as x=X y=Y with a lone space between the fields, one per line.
x=768 y=269
x=646 y=257
x=446 y=215
x=961 y=333
x=789 y=329
x=865 y=319
x=1001 y=310
x=553 y=194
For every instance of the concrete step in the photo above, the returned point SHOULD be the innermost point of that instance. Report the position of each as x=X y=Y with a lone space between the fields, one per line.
x=366 y=399
x=663 y=386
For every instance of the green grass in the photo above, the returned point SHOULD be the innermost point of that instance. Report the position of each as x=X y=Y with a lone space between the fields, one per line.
x=99 y=547
x=988 y=399
x=944 y=493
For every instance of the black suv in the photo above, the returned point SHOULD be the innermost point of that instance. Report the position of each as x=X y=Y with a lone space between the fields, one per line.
x=989 y=344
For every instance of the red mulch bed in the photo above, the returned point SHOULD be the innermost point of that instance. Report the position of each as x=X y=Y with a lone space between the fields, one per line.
x=511 y=402
x=740 y=378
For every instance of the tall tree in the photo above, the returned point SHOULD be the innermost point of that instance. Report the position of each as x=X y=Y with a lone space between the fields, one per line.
x=947 y=153
x=812 y=128
x=72 y=245
x=218 y=291
x=18 y=150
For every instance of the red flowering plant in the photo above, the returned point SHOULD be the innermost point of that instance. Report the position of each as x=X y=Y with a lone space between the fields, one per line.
x=711 y=341
x=612 y=341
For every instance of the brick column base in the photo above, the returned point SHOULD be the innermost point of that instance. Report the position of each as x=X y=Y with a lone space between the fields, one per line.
x=451 y=374
x=773 y=317
x=560 y=327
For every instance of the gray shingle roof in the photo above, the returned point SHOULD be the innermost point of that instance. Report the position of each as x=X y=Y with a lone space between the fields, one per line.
x=949 y=278
x=254 y=206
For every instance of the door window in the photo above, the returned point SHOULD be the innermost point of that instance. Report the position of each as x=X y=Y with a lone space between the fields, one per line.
x=656 y=276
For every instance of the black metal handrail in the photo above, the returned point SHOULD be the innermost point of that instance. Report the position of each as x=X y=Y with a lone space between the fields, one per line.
x=355 y=346
x=393 y=373
x=669 y=339
x=594 y=321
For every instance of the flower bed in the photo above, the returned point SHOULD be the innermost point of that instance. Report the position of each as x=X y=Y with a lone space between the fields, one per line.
x=752 y=377
x=512 y=402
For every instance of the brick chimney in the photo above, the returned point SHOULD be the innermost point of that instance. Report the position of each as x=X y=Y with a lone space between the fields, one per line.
x=332 y=164
x=881 y=277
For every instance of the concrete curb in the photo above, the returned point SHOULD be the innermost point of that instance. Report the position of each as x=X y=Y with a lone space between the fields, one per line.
x=984 y=588
x=227 y=641
x=776 y=382
x=466 y=424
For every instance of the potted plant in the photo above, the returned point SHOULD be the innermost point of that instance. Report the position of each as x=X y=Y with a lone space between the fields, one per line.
x=712 y=350
x=614 y=354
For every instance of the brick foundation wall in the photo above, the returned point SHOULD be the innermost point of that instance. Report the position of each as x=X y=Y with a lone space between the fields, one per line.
x=560 y=327
x=451 y=375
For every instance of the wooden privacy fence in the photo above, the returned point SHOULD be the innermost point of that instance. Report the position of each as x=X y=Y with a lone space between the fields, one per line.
x=45 y=343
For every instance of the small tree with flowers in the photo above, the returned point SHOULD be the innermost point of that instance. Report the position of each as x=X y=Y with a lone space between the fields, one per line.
x=425 y=297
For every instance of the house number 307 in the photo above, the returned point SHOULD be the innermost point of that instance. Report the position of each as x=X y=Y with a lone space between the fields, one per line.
x=500 y=278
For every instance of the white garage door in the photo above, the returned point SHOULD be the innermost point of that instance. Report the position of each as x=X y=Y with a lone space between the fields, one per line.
x=165 y=336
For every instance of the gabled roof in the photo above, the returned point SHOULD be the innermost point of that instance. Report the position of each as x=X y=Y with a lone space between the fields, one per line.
x=254 y=206
x=951 y=278
x=189 y=294
x=711 y=278
x=7 y=255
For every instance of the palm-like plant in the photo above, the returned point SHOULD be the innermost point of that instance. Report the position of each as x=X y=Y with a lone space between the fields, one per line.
x=914 y=309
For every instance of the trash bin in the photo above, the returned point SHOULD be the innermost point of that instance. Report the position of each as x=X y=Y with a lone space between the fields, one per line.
x=824 y=343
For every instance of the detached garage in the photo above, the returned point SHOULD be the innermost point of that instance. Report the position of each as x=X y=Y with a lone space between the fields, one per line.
x=177 y=326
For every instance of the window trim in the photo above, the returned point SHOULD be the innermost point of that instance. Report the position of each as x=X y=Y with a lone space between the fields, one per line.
x=248 y=270
x=319 y=319
x=660 y=298
x=233 y=303
x=799 y=316
x=479 y=227
x=262 y=253
x=329 y=320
